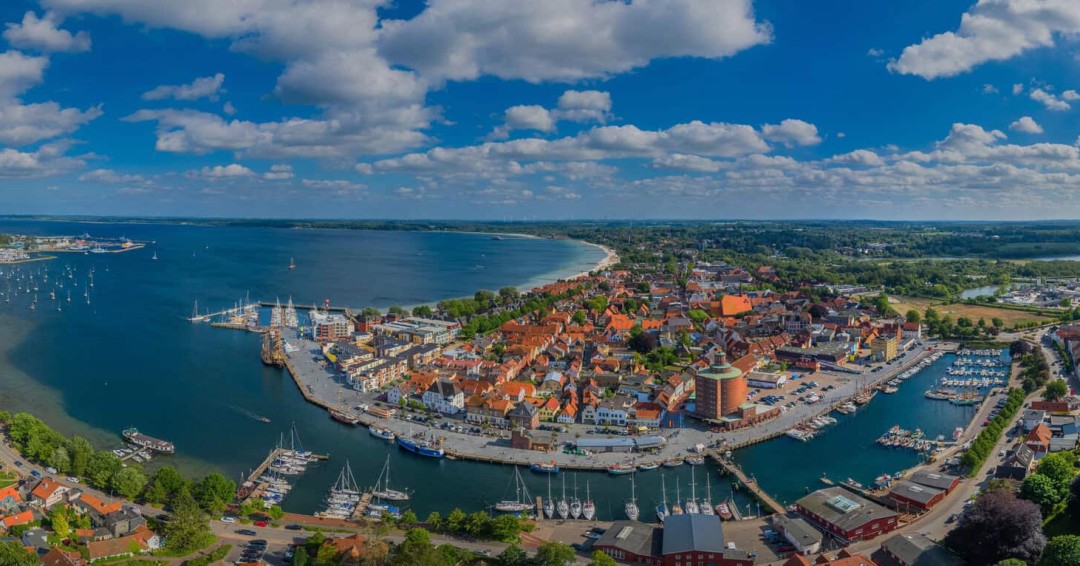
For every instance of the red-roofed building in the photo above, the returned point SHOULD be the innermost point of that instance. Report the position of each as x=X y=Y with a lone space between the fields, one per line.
x=9 y=497
x=731 y=305
x=17 y=519
x=1039 y=440
x=48 y=493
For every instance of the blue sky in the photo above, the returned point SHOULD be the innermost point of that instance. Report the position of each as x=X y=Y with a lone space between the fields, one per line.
x=563 y=109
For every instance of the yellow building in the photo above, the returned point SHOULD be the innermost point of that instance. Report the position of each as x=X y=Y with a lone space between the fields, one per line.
x=883 y=349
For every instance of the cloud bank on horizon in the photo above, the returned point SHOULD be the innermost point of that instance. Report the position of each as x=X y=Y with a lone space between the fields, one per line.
x=512 y=109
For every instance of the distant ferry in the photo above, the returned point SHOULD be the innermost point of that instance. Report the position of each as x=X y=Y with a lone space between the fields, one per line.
x=139 y=439
x=343 y=417
x=422 y=448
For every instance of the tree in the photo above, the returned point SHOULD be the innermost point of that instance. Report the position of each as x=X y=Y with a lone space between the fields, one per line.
x=601 y=559
x=300 y=557
x=512 y=556
x=554 y=554
x=422 y=310
x=998 y=526
x=327 y=554
x=408 y=519
x=397 y=310
x=13 y=554
x=128 y=482
x=508 y=294
x=60 y=526
x=214 y=492
x=417 y=550
x=484 y=297
x=166 y=483
x=1059 y=467
x=580 y=317
x=697 y=316
x=1074 y=498
x=455 y=521
x=642 y=343
x=1041 y=491
x=276 y=512
x=188 y=528
x=60 y=459
x=913 y=316
x=370 y=312
x=1062 y=550
x=997 y=322
x=80 y=452
x=434 y=521
x=1055 y=390
x=101 y=467
x=505 y=528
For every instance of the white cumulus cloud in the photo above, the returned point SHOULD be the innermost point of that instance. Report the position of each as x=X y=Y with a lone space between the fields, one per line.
x=992 y=30
x=43 y=34
x=1026 y=125
x=1048 y=100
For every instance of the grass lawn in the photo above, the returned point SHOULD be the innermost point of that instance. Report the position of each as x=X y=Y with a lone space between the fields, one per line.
x=6 y=479
x=974 y=312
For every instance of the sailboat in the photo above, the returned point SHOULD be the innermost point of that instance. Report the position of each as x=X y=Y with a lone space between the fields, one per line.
x=155 y=256
x=344 y=496
x=631 y=508
x=662 y=511
x=588 y=510
x=520 y=502
x=382 y=486
x=575 y=503
x=706 y=505
x=561 y=506
x=549 y=503
x=691 y=505
x=676 y=508
x=292 y=264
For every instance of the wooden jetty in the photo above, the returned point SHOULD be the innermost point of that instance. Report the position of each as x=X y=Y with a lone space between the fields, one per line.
x=358 y=513
x=767 y=500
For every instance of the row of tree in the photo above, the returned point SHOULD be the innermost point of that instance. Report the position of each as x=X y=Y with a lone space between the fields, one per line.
x=984 y=443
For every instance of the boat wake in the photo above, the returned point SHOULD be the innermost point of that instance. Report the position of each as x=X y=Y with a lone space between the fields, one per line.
x=248 y=414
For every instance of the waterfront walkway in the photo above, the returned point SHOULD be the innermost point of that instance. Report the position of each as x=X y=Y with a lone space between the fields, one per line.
x=751 y=486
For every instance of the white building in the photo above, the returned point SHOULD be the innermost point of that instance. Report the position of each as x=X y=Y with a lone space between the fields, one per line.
x=445 y=397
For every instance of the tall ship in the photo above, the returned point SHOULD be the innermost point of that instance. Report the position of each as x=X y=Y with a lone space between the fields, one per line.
x=344 y=417
x=137 y=438
x=420 y=447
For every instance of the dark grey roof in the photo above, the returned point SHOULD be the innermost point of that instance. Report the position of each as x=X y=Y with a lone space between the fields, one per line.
x=524 y=409
x=693 y=533
x=914 y=491
x=916 y=549
x=842 y=508
x=1033 y=414
x=631 y=536
x=933 y=479
x=799 y=530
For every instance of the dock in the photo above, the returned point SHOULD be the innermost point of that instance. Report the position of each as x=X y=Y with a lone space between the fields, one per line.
x=361 y=508
x=767 y=500
x=258 y=487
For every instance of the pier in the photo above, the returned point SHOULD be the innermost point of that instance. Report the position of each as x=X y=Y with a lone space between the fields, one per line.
x=767 y=500
x=257 y=487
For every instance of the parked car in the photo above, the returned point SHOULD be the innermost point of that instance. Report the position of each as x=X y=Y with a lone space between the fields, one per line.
x=228 y=519
x=51 y=470
x=293 y=527
x=260 y=523
x=246 y=532
x=73 y=479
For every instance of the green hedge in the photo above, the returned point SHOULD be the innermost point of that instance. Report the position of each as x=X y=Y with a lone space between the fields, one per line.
x=983 y=445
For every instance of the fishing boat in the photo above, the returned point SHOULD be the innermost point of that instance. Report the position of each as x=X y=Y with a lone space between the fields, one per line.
x=520 y=503
x=662 y=511
x=575 y=503
x=382 y=486
x=344 y=417
x=588 y=509
x=383 y=433
x=137 y=438
x=695 y=460
x=723 y=511
x=673 y=462
x=648 y=467
x=421 y=447
x=561 y=506
x=631 y=508
x=549 y=503
x=545 y=468
x=619 y=469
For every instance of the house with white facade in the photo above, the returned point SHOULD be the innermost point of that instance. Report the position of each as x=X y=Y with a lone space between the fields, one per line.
x=445 y=397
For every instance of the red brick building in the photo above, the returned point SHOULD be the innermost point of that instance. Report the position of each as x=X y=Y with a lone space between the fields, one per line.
x=845 y=515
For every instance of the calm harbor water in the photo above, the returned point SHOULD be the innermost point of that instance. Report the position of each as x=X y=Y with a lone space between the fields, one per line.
x=787 y=468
